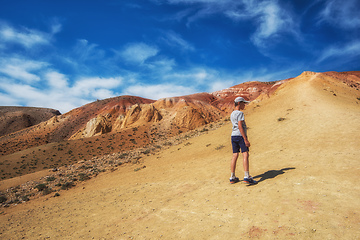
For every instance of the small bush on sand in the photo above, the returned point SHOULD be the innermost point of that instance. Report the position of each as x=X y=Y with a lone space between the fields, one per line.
x=67 y=185
x=41 y=187
x=50 y=179
x=219 y=147
x=2 y=199
x=83 y=177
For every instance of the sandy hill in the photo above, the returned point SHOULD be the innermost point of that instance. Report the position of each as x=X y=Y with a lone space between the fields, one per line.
x=304 y=153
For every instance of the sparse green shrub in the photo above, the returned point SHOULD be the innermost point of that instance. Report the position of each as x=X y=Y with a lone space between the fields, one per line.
x=204 y=130
x=2 y=199
x=281 y=119
x=67 y=185
x=219 y=147
x=123 y=155
x=41 y=187
x=83 y=177
x=136 y=160
x=25 y=198
x=50 y=179
x=47 y=191
x=147 y=151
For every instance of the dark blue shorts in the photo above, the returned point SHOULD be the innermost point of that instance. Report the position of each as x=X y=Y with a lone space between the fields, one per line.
x=238 y=143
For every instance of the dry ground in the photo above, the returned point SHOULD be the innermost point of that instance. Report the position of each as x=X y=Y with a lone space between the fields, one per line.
x=305 y=153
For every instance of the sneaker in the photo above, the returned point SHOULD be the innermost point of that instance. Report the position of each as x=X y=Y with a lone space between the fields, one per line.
x=250 y=180
x=234 y=180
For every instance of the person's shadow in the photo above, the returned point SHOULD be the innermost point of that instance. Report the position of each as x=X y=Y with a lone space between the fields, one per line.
x=271 y=174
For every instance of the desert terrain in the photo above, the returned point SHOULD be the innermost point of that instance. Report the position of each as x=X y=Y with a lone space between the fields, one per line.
x=305 y=148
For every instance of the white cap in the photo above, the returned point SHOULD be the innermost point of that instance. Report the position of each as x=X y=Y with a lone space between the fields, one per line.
x=240 y=99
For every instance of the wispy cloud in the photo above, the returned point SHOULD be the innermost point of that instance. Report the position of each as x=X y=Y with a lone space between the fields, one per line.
x=21 y=69
x=138 y=53
x=270 y=17
x=350 y=50
x=87 y=51
x=54 y=90
x=95 y=86
x=344 y=14
x=175 y=40
x=25 y=37
x=158 y=91
x=56 y=80
x=196 y=76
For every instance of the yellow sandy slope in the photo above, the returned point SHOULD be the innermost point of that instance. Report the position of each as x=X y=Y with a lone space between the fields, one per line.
x=305 y=153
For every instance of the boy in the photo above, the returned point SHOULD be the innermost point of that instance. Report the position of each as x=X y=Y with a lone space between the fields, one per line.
x=239 y=141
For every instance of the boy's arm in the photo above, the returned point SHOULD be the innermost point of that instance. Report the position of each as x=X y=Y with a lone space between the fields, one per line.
x=242 y=131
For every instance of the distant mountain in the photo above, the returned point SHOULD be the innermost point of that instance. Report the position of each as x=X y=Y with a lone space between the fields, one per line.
x=13 y=119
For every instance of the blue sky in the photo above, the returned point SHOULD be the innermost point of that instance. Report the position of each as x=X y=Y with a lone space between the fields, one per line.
x=64 y=54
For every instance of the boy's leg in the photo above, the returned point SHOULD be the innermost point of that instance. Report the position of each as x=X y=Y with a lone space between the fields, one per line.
x=247 y=177
x=246 y=161
x=233 y=178
x=233 y=162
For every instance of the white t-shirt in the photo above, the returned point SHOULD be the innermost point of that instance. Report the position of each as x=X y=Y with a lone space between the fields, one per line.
x=235 y=117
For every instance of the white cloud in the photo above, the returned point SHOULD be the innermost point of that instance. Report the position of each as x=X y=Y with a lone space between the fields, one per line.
x=7 y=100
x=56 y=27
x=102 y=93
x=349 y=50
x=22 y=91
x=138 y=53
x=87 y=87
x=158 y=91
x=26 y=95
x=21 y=69
x=57 y=93
x=175 y=40
x=196 y=76
x=220 y=85
x=57 y=80
x=162 y=66
x=271 y=18
x=344 y=14
x=25 y=37
x=85 y=51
